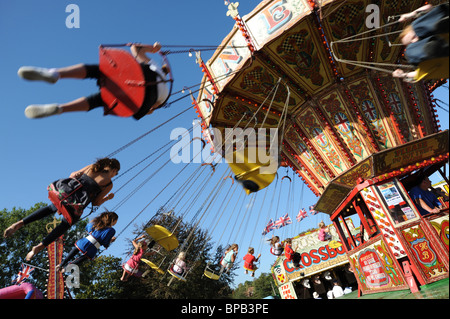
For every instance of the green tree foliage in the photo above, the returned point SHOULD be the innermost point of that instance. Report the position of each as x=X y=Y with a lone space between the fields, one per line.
x=100 y=278
x=243 y=291
x=264 y=286
x=14 y=249
x=259 y=288
x=195 y=243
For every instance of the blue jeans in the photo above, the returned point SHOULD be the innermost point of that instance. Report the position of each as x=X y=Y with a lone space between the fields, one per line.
x=428 y=28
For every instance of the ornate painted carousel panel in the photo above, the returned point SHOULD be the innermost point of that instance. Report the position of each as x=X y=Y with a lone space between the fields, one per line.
x=339 y=113
x=321 y=72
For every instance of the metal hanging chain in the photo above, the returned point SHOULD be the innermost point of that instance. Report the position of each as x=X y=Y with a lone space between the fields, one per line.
x=258 y=216
x=166 y=52
x=147 y=133
x=372 y=65
x=190 y=50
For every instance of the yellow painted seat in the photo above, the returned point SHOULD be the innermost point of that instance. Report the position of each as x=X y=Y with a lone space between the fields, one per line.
x=255 y=266
x=153 y=266
x=252 y=270
x=163 y=237
x=433 y=69
x=211 y=275
x=334 y=244
x=177 y=276
x=250 y=171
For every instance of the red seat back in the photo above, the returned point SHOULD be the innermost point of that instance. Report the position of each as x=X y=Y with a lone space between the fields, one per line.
x=62 y=210
x=122 y=83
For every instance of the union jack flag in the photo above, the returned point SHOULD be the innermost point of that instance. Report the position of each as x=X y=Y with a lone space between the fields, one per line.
x=269 y=227
x=301 y=214
x=24 y=273
x=283 y=221
x=312 y=211
x=277 y=224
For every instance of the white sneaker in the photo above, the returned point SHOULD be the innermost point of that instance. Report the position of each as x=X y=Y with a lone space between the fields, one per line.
x=44 y=110
x=38 y=74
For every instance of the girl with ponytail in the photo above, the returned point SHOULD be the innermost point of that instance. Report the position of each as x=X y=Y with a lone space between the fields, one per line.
x=101 y=233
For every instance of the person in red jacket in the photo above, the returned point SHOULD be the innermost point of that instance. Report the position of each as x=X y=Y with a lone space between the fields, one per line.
x=290 y=254
x=249 y=260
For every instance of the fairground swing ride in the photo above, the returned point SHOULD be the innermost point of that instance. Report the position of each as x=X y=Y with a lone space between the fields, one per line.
x=349 y=130
x=358 y=137
x=123 y=86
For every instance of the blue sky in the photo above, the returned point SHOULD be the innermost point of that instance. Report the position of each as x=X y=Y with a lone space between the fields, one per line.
x=34 y=153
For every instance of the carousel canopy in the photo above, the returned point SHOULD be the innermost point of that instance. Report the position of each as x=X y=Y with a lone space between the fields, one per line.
x=340 y=116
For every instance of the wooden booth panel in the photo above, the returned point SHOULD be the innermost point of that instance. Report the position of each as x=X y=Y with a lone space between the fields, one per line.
x=423 y=252
x=375 y=268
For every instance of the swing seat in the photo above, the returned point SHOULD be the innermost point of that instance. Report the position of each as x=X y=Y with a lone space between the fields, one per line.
x=71 y=212
x=273 y=252
x=62 y=210
x=174 y=274
x=247 y=168
x=122 y=82
x=163 y=237
x=433 y=69
x=334 y=244
x=249 y=269
x=153 y=266
x=211 y=275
